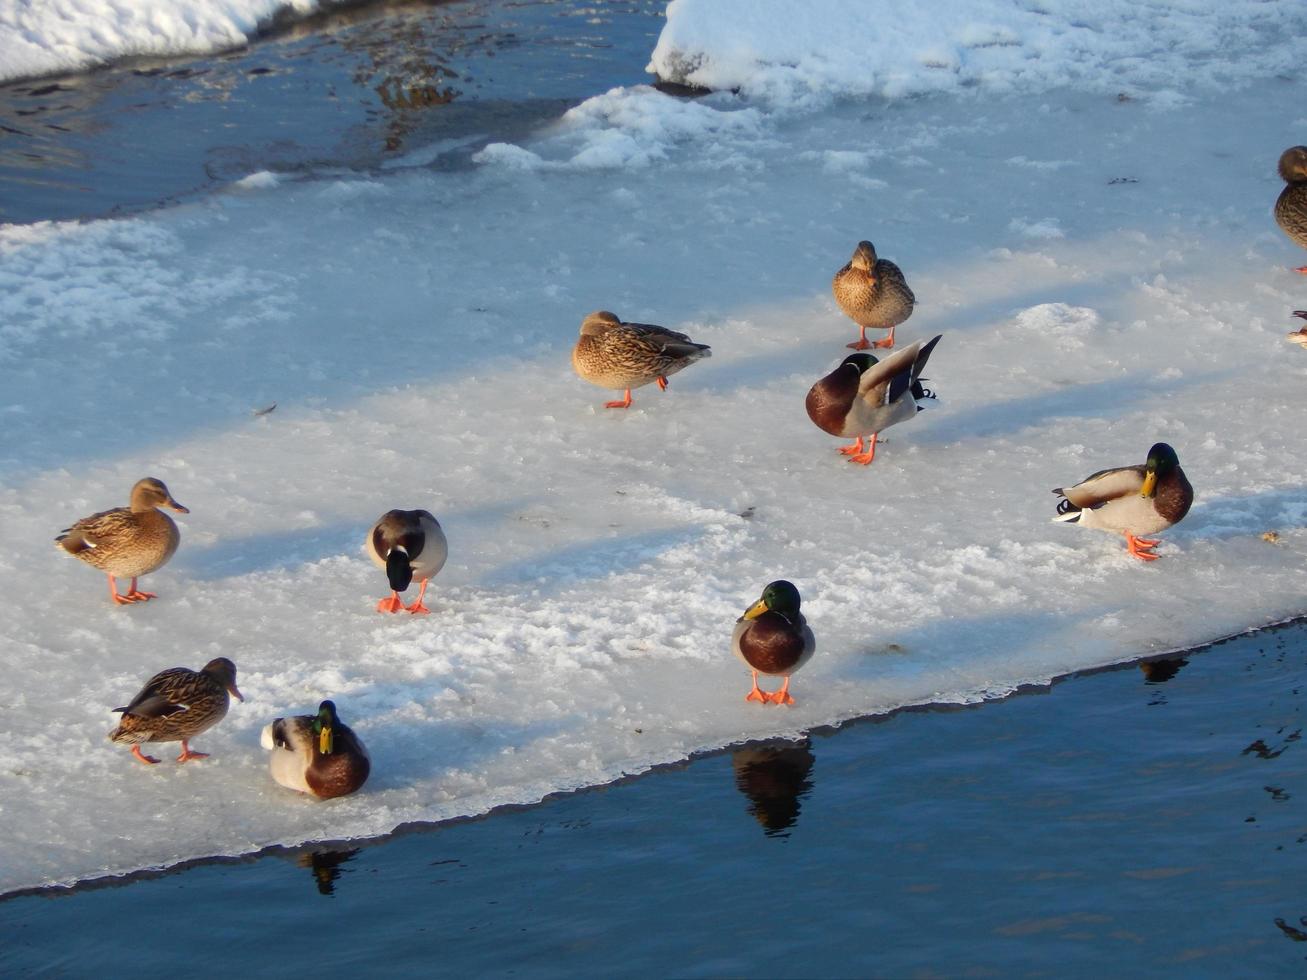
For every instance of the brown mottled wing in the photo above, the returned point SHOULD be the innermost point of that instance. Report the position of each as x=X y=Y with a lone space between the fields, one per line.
x=772 y=645
x=97 y=526
x=1105 y=485
x=893 y=280
x=664 y=341
x=830 y=398
x=166 y=693
x=1291 y=212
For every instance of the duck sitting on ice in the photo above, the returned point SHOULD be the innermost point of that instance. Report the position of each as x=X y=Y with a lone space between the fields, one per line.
x=316 y=754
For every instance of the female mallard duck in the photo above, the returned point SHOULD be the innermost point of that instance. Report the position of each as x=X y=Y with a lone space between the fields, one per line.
x=864 y=396
x=316 y=754
x=176 y=705
x=1131 y=500
x=408 y=544
x=1291 y=206
x=873 y=293
x=613 y=354
x=127 y=541
x=773 y=638
x=1298 y=337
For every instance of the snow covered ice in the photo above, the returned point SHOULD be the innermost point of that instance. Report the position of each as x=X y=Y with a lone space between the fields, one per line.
x=414 y=328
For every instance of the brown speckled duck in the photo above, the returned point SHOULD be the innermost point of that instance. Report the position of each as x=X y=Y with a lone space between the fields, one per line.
x=316 y=754
x=1291 y=206
x=175 y=705
x=408 y=544
x=613 y=354
x=1131 y=500
x=127 y=541
x=873 y=293
x=773 y=638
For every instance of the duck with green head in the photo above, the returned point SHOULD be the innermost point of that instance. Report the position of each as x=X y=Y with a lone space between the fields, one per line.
x=316 y=754
x=1131 y=500
x=773 y=638
x=864 y=396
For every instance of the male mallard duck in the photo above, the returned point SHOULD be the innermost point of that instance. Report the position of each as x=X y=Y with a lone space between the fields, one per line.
x=316 y=754
x=773 y=638
x=1291 y=205
x=873 y=292
x=408 y=544
x=1131 y=500
x=613 y=354
x=864 y=396
x=127 y=541
x=176 y=705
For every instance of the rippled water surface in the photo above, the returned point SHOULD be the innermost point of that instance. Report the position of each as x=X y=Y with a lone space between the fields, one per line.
x=1147 y=820
x=358 y=89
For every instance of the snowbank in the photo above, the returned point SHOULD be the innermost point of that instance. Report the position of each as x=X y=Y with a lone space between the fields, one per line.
x=794 y=52
x=43 y=37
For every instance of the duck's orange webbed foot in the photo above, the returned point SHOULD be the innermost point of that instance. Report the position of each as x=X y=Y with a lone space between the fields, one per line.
x=1140 y=547
x=188 y=754
x=416 y=607
x=865 y=458
x=662 y=383
x=390 y=604
x=120 y=600
x=851 y=450
x=149 y=760
x=886 y=341
x=782 y=696
x=757 y=693
x=624 y=403
x=1301 y=270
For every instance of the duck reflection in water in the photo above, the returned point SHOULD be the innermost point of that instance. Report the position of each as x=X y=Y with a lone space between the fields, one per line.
x=1161 y=671
x=774 y=777
x=325 y=866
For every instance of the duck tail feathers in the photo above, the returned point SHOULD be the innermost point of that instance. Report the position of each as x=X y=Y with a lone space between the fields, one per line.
x=1067 y=511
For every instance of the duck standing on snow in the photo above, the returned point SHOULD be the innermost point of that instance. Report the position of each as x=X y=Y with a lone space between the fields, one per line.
x=408 y=544
x=1131 y=500
x=773 y=638
x=873 y=293
x=613 y=354
x=316 y=754
x=127 y=541
x=175 y=705
x=864 y=396
x=1291 y=205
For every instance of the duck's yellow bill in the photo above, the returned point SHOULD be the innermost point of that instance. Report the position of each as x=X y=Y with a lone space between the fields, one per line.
x=1150 y=485
x=324 y=740
x=756 y=610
